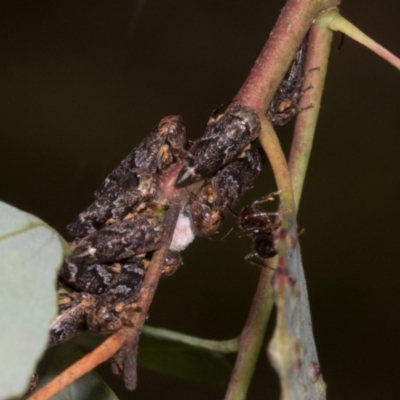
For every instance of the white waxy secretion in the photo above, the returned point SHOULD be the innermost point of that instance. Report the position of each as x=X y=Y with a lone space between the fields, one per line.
x=183 y=234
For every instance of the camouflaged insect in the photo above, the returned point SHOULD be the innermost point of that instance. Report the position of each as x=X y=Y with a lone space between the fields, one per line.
x=108 y=291
x=161 y=148
x=226 y=137
x=210 y=206
x=109 y=312
x=285 y=103
x=138 y=233
x=135 y=179
x=115 y=308
x=73 y=311
x=133 y=188
x=109 y=298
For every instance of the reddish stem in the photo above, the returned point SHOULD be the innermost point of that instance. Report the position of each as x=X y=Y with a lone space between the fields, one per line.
x=280 y=49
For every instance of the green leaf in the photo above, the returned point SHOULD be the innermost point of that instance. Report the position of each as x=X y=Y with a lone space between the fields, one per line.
x=30 y=255
x=183 y=361
x=90 y=386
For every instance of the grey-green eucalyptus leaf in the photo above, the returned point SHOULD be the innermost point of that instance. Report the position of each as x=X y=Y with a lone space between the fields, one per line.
x=30 y=254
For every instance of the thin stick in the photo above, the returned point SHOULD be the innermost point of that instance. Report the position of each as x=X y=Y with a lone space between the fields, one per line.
x=150 y=283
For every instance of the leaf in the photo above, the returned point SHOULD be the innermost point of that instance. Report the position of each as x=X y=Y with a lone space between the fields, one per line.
x=30 y=254
x=292 y=349
x=90 y=386
x=183 y=361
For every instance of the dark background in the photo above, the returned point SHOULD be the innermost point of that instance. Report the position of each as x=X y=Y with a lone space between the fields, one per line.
x=83 y=82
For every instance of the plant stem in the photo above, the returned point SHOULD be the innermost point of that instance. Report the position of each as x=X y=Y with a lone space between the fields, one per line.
x=272 y=147
x=257 y=92
x=149 y=287
x=223 y=346
x=319 y=45
x=252 y=338
x=338 y=23
x=292 y=349
x=274 y=60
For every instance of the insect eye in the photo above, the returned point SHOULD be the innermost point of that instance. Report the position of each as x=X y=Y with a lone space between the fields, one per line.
x=206 y=215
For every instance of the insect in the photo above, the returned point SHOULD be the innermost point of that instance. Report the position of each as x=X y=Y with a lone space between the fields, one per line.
x=108 y=300
x=89 y=264
x=285 y=103
x=160 y=148
x=73 y=310
x=219 y=195
x=226 y=137
x=108 y=290
x=135 y=179
x=116 y=236
x=109 y=312
x=130 y=190
x=256 y=223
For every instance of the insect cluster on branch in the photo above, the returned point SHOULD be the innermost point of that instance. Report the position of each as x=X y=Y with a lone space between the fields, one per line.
x=116 y=236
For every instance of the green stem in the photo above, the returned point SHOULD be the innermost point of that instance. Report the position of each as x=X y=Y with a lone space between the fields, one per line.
x=292 y=348
x=252 y=338
x=277 y=159
x=224 y=346
x=253 y=333
x=257 y=92
x=319 y=45
x=336 y=22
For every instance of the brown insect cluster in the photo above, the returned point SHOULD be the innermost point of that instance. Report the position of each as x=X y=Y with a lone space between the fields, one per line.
x=116 y=236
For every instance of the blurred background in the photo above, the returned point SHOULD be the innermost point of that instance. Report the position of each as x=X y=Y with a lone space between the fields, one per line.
x=83 y=82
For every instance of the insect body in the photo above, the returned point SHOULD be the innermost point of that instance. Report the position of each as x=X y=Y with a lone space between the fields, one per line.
x=285 y=103
x=119 y=297
x=220 y=194
x=87 y=267
x=136 y=186
x=73 y=310
x=135 y=179
x=115 y=236
x=257 y=224
x=108 y=297
x=226 y=136
x=162 y=147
